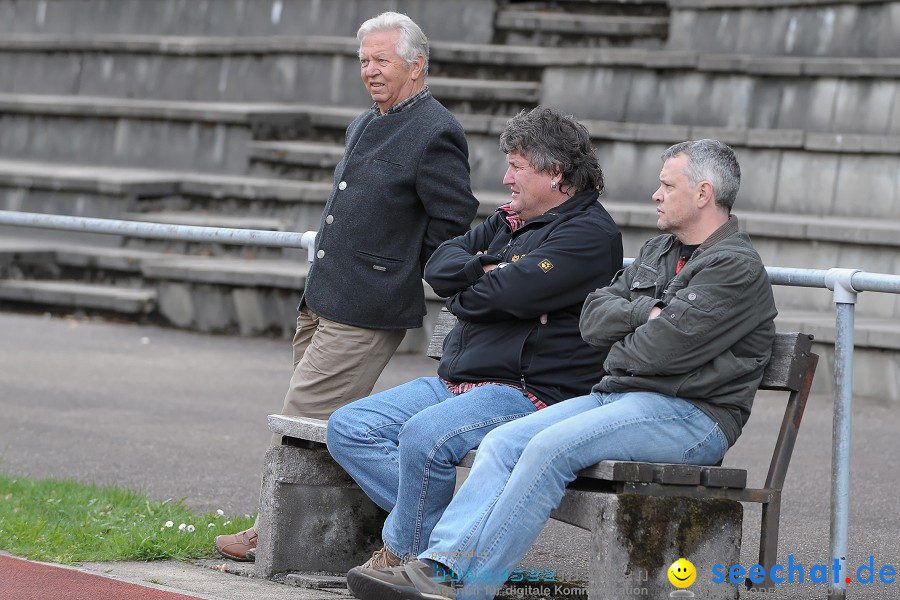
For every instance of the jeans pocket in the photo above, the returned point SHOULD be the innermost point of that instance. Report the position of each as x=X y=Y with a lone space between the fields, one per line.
x=709 y=450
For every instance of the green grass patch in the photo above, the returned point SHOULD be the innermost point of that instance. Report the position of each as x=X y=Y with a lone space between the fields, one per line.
x=69 y=522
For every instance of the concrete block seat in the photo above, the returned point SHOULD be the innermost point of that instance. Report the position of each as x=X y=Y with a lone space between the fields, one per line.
x=146 y=133
x=468 y=20
x=791 y=27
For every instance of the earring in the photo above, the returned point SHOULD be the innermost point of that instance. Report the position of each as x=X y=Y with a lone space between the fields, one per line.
x=552 y=185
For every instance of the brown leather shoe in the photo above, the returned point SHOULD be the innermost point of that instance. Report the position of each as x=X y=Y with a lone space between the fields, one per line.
x=236 y=546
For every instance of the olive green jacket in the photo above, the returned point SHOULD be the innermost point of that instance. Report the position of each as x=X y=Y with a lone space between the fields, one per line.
x=710 y=344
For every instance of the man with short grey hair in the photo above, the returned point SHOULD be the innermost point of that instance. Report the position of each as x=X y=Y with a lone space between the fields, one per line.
x=400 y=190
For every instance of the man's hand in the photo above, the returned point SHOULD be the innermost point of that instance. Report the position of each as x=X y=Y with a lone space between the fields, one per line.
x=654 y=312
x=488 y=268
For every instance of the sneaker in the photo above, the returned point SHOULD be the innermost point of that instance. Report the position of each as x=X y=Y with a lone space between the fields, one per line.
x=414 y=580
x=237 y=546
x=382 y=559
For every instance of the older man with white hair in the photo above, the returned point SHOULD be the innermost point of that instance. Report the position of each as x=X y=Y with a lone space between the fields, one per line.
x=400 y=190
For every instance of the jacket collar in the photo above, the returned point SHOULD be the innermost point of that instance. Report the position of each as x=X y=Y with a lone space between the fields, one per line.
x=727 y=229
x=578 y=202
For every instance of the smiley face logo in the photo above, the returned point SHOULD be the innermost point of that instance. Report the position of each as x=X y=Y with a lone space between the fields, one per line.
x=682 y=573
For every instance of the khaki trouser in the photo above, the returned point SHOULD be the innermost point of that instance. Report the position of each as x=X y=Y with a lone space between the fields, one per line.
x=334 y=364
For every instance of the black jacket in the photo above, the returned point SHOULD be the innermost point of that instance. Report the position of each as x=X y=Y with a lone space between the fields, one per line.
x=551 y=264
x=400 y=190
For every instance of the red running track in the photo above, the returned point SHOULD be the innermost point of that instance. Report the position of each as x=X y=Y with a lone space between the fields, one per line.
x=24 y=580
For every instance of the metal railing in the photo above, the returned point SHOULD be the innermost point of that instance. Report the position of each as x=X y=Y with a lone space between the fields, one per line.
x=845 y=284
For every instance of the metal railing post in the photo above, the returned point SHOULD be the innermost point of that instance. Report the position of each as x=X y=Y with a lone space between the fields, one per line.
x=308 y=240
x=839 y=280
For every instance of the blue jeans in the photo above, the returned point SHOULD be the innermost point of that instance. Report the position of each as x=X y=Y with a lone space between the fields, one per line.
x=522 y=469
x=401 y=446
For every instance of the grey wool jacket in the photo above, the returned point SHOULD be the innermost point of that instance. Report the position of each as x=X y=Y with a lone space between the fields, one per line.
x=713 y=339
x=401 y=189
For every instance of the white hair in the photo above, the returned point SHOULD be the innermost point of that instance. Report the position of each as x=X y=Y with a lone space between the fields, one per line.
x=412 y=41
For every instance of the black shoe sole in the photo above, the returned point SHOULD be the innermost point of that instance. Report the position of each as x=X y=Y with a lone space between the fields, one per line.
x=367 y=588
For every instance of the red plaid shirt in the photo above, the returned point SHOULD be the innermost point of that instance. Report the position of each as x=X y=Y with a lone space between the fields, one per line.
x=461 y=388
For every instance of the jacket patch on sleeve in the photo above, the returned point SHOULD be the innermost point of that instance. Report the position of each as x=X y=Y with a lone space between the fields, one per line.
x=545 y=265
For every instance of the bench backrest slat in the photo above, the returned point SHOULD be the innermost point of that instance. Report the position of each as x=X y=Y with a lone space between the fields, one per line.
x=789 y=362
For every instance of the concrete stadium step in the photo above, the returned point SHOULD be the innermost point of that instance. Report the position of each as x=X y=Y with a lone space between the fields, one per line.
x=783 y=239
x=467 y=20
x=128 y=184
x=77 y=295
x=629 y=153
x=115 y=193
x=152 y=195
x=485 y=96
x=846 y=166
x=80 y=190
x=154 y=133
x=309 y=161
x=209 y=294
x=869 y=332
x=787 y=27
x=229 y=69
x=207 y=219
x=850 y=165
x=201 y=293
x=816 y=94
x=540 y=25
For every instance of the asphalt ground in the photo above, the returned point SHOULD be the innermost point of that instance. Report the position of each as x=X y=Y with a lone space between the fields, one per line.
x=182 y=415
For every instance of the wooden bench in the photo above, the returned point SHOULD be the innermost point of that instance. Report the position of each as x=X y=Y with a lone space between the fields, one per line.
x=641 y=515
